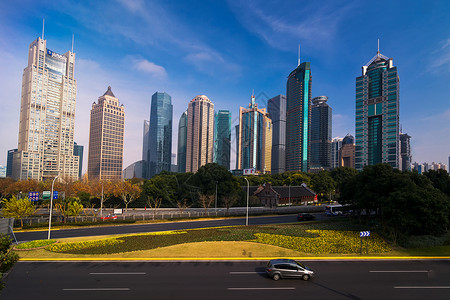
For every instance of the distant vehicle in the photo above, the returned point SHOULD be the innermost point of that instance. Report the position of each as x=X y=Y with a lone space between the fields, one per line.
x=287 y=268
x=305 y=217
x=109 y=217
x=334 y=210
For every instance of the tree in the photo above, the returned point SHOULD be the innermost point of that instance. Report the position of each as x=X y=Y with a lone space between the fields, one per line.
x=74 y=209
x=229 y=201
x=154 y=204
x=17 y=208
x=5 y=183
x=342 y=175
x=206 y=201
x=322 y=183
x=127 y=192
x=7 y=256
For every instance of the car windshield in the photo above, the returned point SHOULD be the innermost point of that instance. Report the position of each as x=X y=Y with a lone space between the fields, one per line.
x=301 y=265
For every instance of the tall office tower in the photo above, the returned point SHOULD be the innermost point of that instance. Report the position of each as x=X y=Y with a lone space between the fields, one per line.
x=200 y=133
x=255 y=138
x=321 y=114
x=347 y=152
x=336 y=145
x=405 y=152
x=298 y=118
x=377 y=114
x=236 y=131
x=222 y=138
x=9 y=162
x=106 y=138
x=160 y=134
x=2 y=171
x=276 y=107
x=182 y=141
x=145 y=148
x=78 y=151
x=47 y=116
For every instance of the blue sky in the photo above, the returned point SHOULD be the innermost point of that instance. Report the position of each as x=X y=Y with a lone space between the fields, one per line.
x=226 y=49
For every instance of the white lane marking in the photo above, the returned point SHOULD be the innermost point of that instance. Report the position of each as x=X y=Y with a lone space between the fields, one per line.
x=128 y=273
x=99 y=289
x=421 y=287
x=412 y=271
x=243 y=273
x=251 y=289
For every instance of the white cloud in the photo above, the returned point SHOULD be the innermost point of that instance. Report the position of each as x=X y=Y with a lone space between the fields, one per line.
x=149 y=67
x=441 y=58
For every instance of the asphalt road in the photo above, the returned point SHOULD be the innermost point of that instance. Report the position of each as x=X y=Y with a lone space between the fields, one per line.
x=421 y=279
x=124 y=229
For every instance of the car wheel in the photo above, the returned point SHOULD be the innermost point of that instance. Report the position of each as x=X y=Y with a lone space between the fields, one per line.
x=276 y=276
x=305 y=277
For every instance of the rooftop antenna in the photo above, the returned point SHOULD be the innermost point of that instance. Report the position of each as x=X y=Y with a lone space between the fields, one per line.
x=73 y=37
x=298 y=55
x=43 y=23
x=378 y=52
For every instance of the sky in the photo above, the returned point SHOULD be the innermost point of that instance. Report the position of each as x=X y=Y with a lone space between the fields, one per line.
x=228 y=49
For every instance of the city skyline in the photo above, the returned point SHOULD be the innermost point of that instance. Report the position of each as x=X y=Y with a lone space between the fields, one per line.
x=335 y=38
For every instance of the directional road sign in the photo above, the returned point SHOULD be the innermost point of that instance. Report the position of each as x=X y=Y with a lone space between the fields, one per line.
x=33 y=196
x=364 y=233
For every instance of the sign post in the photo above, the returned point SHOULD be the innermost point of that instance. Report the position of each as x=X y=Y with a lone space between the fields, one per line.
x=363 y=234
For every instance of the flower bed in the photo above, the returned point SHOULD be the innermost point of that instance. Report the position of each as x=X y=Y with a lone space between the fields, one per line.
x=33 y=245
x=66 y=247
x=326 y=242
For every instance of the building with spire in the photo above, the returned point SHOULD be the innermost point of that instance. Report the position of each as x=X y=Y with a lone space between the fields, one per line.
x=377 y=114
x=200 y=133
x=254 y=139
x=160 y=134
x=182 y=141
x=321 y=122
x=47 y=116
x=105 y=158
x=347 y=152
x=298 y=118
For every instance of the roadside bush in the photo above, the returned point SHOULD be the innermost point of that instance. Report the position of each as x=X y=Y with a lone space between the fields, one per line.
x=423 y=241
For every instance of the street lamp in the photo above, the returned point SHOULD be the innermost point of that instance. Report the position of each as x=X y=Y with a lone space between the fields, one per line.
x=248 y=188
x=215 y=205
x=51 y=208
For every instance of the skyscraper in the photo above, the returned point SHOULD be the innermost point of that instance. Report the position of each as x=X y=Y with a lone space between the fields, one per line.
x=298 y=118
x=405 y=152
x=9 y=162
x=321 y=115
x=200 y=133
x=377 y=114
x=160 y=134
x=222 y=138
x=78 y=151
x=106 y=138
x=347 y=152
x=336 y=145
x=47 y=116
x=276 y=107
x=182 y=141
x=255 y=138
x=145 y=148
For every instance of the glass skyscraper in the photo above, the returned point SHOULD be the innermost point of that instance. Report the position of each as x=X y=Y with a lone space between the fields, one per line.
x=182 y=140
x=254 y=138
x=298 y=118
x=222 y=138
x=78 y=151
x=276 y=107
x=321 y=115
x=377 y=114
x=160 y=134
x=47 y=116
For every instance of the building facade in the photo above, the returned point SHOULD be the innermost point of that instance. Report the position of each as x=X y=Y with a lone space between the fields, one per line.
x=405 y=152
x=377 y=114
x=347 y=152
x=321 y=128
x=182 y=141
x=160 y=134
x=298 y=118
x=47 y=116
x=200 y=133
x=336 y=145
x=254 y=138
x=78 y=151
x=145 y=148
x=106 y=134
x=222 y=138
x=276 y=107
x=9 y=162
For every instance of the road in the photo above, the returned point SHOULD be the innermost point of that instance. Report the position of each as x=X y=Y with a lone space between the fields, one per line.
x=124 y=229
x=421 y=279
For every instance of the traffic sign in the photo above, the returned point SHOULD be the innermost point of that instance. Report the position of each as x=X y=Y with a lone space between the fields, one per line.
x=364 y=233
x=46 y=195
x=33 y=196
x=55 y=195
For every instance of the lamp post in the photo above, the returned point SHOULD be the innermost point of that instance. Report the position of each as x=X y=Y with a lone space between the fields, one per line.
x=289 y=194
x=101 y=203
x=248 y=188
x=51 y=208
x=215 y=203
